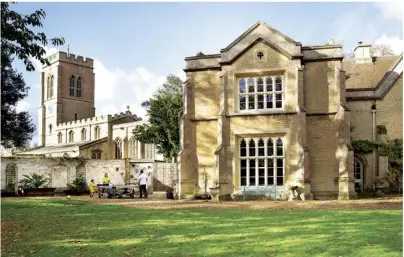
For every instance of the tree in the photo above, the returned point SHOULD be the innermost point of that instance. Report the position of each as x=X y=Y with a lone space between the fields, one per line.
x=381 y=50
x=16 y=127
x=164 y=110
x=18 y=39
x=375 y=51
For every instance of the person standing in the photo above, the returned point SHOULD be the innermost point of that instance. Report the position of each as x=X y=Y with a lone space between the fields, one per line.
x=92 y=188
x=143 y=185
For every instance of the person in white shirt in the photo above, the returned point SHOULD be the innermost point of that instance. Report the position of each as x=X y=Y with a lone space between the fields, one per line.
x=143 y=184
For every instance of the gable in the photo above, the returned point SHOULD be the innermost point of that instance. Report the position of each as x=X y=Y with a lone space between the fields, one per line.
x=260 y=56
x=261 y=32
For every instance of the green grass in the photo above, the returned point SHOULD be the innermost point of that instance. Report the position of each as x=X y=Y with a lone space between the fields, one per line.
x=58 y=227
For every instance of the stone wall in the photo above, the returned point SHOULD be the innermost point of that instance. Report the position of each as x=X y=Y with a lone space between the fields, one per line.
x=62 y=172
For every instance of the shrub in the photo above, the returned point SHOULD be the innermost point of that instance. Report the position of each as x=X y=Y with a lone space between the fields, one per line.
x=35 y=180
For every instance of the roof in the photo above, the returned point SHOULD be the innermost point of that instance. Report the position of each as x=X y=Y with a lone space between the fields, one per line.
x=367 y=75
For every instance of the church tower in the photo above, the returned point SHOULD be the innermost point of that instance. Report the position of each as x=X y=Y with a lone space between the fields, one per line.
x=67 y=93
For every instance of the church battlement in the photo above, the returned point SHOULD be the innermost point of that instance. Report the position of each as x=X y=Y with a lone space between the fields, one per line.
x=70 y=58
x=84 y=122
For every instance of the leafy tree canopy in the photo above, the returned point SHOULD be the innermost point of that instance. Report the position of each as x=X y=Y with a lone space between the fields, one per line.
x=18 y=40
x=17 y=37
x=164 y=110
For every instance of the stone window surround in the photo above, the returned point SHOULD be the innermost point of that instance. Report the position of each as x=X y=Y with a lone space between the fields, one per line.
x=273 y=92
x=71 y=136
x=50 y=87
x=96 y=154
x=60 y=138
x=265 y=157
x=74 y=87
x=83 y=134
x=358 y=170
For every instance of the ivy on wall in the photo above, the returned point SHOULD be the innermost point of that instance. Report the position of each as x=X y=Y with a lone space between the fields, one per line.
x=363 y=146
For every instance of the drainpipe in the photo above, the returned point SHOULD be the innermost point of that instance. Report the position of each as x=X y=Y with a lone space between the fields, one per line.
x=374 y=139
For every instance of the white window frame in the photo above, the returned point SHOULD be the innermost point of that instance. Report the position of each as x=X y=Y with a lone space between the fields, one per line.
x=265 y=157
x=274 y=92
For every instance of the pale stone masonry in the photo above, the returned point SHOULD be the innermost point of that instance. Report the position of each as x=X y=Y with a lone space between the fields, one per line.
x=268 y=111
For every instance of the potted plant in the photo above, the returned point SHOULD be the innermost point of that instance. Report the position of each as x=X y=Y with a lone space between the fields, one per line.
x=36 y=184
x=77 y=187
x=215 y=190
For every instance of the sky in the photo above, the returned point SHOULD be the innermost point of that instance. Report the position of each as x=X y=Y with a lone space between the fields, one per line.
x=136 y=45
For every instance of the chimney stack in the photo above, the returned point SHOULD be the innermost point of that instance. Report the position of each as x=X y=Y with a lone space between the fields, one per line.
x=362 y=53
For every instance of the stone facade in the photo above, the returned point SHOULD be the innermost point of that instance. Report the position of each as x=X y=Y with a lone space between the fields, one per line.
x=266 y=89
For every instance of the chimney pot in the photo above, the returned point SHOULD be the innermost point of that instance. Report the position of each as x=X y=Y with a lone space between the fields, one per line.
x=360 y=43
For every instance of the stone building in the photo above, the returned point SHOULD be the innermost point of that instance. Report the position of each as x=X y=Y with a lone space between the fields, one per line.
x=268 y=111
x=67 y=125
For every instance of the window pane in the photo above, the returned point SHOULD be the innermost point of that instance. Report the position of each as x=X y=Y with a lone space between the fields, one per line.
x=261 y=181
x=269 y=84
x=242 y=86
x=242 y=102
x=278 y=84
x=261 y=163
x=279 y=181
x=279 y=164
x=252 y=173
x=278 y=97
x=251 y=87
x=270 y=99
x=260 y=85
x=260 y=99
x=279 y=147
x=243 y=172
x=243 y=181
x=270 y=148
x=251 y=102
x=261 y=148
x=243 y=163
x=251 y=148
x=243 y=148
x=270 y=181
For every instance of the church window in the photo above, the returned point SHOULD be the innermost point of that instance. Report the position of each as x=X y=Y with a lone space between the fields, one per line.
x=50 y=129
x=261 y=93
x=97 y=132
x=358 y=175
x=60 y=137
x=75 y=116
x=49 y=87
x=78 y=89
x=118 y=149
x=261 y=162
x=72 y=86
x=96 y=154
x=71 y=136
x=260 y=54
x=83 y=134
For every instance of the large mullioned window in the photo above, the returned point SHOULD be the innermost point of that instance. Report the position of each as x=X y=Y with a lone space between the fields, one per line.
x=261 y=93
x=261 y=161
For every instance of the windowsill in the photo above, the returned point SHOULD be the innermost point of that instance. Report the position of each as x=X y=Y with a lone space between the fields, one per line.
x=263 y=112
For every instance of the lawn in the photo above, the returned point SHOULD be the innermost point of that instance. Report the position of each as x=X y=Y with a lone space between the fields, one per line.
x=62 y=227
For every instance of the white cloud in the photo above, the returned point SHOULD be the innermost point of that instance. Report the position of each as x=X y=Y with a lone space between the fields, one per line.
x=395 y=42
x=115 y=89
x=23 y=106
x=392 y=10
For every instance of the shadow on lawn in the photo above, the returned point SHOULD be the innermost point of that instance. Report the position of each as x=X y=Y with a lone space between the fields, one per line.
x=75 y=227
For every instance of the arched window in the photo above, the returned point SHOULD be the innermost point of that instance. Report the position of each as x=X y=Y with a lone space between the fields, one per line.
x=97 y=132
x=118 y=149
x=83 y=134
x=96 y=154
x=78 y=89
x=49 y=86
x=60 y=137
x=132 y=148
x=72 y=86
x=261 y=162
x=50 y=129
x=71 y=136
x=358 y=171
x=75 y=116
